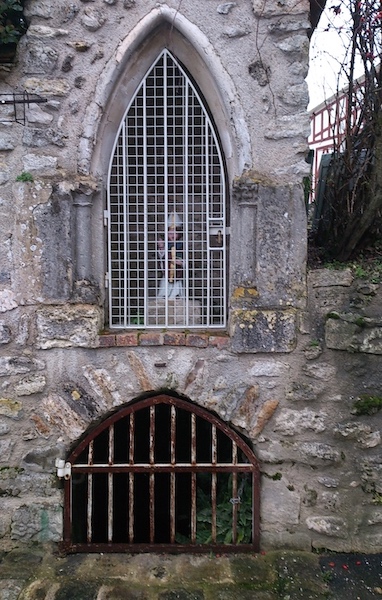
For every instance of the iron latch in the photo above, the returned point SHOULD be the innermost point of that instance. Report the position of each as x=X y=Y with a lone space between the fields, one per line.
x=64 y=469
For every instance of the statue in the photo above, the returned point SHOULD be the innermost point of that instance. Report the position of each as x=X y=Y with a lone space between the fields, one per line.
x=171 y=284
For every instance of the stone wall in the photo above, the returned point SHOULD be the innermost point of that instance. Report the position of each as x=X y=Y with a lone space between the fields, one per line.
x=283 y=373
x=306 y=412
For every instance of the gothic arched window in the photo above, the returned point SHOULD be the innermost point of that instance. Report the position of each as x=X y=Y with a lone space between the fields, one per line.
x=166 y=211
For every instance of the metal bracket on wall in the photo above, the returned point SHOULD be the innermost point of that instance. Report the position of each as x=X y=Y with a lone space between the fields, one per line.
x=64 y=469
x=19 y=101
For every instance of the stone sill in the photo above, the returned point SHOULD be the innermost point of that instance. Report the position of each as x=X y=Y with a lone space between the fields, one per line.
x=159 y=338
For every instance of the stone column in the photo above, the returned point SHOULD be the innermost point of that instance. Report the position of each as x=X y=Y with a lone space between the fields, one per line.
x=82 y=202
x=244 y=228
x=85 y=289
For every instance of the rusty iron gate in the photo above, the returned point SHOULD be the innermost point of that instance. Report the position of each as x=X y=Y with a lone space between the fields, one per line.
x=162 y=474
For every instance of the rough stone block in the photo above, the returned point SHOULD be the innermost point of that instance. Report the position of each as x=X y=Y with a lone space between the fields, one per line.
x=59 y=327
x=371 y=473
x=354 y=333
x=126 y=339
x=278 y=504
x=151 y=339
x=6 y=447
x=330 y=526
x=268 y=368
x=361 y=432
x=107 y=341
x=271 y=540
x=30 y=385
x=15 y=482
x=7 y=300
x=119 y=590
x=330 y=278
x=17 y=365
x=5 y=334
x=174 y=339
x=10 y=589
x=47 y=87
x=273 y=8
x=197 y=340
x=44 y=165
x=320 y=371
x=181 y=594
x=263 y=330
x=39 y=522
x=10 y=408
x=219 y=341
x=316 y=453
x=292 y=422
x=63 y=417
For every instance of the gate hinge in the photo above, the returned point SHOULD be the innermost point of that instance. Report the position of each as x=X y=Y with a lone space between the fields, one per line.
x=106 y=280
x=64 y=469
x=105 y=217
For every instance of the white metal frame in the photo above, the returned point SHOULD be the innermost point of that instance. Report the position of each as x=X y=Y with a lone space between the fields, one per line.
x=167 y=169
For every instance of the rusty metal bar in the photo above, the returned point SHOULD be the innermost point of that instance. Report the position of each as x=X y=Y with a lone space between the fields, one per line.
x=110 y=486
x=235 y=507
x=235 y=499
x=89 y=526
x=213 y=484
x=152 y=476
x=22 y=98
x=193 y=479
x=131 y=477
x=172 y=475
x=214 y=445
x=213 y=507
x=165 y=468
x=131 y=508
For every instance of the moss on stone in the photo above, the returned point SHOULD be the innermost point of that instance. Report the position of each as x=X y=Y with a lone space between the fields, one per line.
x=367 y=405
x=78 y=590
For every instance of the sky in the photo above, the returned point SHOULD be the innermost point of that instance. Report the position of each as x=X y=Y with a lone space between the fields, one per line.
x=327 y=53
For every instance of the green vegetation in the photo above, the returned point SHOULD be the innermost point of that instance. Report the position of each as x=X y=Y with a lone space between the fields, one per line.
x=12 y=23
x=224 y=518
x=224 y=512
x=25 y=176
x=368 y=264
x=377 y=498
x=314 y=343
x=367 y=405
x=276 y=476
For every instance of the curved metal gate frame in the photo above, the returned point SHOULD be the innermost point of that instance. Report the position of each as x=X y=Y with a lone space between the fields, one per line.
x=89 y=467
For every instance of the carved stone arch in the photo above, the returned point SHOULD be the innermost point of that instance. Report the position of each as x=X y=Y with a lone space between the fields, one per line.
x=162 y=473
x=163 y=28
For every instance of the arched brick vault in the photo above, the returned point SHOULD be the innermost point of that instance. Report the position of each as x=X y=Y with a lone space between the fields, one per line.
x=162 y=27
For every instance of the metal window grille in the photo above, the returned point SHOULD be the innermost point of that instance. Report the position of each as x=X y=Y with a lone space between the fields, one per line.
x=166 y=211
x=162 y=474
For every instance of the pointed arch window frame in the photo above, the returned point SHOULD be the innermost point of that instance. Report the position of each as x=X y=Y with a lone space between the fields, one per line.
x=250 y=467
x=131 y=277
